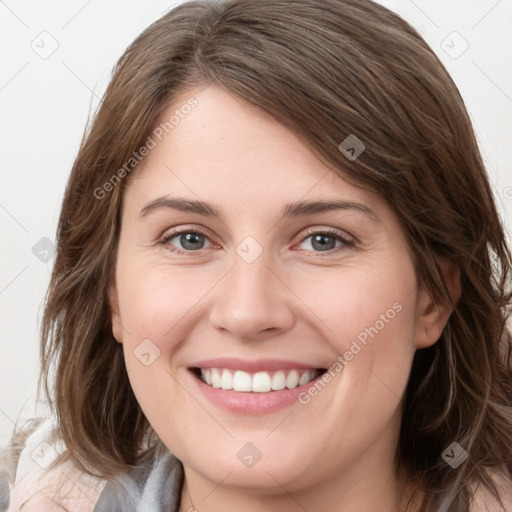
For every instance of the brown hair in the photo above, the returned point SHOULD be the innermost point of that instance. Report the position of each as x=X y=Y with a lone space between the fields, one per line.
x=325 y=70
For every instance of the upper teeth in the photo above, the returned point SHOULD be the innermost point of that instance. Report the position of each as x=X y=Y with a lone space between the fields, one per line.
x=260 y=382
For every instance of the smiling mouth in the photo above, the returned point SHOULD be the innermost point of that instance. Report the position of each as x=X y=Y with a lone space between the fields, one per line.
x=257 y=382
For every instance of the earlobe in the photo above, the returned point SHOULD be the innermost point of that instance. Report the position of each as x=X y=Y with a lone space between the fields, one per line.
x=433 y=314
x=115 y=317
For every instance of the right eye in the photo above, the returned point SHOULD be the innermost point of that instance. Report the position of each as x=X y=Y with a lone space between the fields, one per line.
x=191 y=241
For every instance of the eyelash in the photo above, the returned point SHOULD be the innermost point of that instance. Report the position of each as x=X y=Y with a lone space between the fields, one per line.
x=329 y=231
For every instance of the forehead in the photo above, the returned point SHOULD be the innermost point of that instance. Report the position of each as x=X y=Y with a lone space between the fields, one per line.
x=226 y=151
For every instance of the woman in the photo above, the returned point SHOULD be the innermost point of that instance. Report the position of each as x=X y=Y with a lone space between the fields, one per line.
x=281 y=280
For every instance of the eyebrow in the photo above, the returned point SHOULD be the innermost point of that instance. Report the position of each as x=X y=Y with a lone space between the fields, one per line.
x=297 y=209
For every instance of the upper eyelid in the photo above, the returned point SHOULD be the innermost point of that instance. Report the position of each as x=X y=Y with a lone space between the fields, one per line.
x=167 y=234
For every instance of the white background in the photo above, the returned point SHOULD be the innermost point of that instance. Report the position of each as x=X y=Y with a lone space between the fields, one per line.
x=45 y=103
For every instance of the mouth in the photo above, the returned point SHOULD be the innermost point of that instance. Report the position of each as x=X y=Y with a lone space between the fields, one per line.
x=256 y=382
x=253 y=386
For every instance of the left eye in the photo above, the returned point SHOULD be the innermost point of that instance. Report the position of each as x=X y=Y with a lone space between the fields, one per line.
x=321 y=242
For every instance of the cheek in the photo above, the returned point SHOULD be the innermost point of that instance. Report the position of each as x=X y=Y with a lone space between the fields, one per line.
x=155 y=306
x=364 y=305
x=156 y=300
x=368 y=316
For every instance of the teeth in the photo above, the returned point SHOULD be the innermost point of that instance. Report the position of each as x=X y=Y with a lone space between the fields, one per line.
x=226 y=381
x=304 y=379
x=292 y=380
x=241 y=381
x=215 y=378
x=278 y=381
x=260 y=382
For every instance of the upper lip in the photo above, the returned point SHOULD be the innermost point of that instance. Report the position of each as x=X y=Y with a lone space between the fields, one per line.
x=251 y=366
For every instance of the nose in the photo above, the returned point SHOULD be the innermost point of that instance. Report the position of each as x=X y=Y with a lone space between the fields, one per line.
x=253 y=301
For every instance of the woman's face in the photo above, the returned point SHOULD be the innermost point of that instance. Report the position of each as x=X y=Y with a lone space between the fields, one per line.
x=230 y=270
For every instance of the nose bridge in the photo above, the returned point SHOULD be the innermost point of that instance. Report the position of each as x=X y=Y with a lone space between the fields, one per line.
x=252 y=300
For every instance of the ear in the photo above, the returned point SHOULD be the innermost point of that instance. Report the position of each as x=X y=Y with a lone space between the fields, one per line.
x=433 y=315
x=115 y=316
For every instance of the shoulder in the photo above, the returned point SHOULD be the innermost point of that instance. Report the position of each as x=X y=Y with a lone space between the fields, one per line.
x=484 y=501
x=37 y=486
x=64 y=488
x=154 y=484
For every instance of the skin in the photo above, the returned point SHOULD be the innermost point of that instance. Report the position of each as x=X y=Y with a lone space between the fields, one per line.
x=294 y=301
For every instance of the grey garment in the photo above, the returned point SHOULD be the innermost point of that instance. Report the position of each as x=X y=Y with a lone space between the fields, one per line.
x=4 y=490
x=154 y=486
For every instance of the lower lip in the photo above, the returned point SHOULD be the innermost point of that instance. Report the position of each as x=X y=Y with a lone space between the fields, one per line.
x=252 y=402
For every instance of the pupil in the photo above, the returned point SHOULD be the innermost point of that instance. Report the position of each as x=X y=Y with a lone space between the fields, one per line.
x=321 y=240
x=188 y=240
